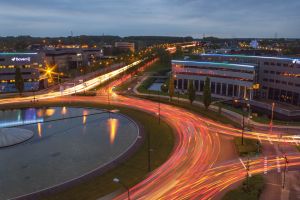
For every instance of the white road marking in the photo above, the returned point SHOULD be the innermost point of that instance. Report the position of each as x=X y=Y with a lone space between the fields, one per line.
x=266 y=165
x=270 y=140
x=278 y=164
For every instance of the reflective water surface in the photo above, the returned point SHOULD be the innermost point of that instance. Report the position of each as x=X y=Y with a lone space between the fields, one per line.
x=67 y=143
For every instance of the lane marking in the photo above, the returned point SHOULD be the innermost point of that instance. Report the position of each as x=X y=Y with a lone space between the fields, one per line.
x=243 y=164
x=278 y=164
x=270 y=140
x=265 y=165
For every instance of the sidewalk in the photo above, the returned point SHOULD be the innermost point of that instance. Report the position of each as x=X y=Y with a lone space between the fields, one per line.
x=228 y=113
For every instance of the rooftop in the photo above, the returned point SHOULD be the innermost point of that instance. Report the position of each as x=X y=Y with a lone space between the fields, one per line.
x=216 y=64
x=247 y=56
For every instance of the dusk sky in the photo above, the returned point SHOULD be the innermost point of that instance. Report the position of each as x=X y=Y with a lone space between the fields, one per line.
x=222 y=18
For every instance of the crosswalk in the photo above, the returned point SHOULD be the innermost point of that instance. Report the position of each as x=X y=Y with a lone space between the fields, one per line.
x=265 y=162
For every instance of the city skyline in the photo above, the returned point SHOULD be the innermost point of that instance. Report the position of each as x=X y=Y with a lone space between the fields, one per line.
x=194 y=18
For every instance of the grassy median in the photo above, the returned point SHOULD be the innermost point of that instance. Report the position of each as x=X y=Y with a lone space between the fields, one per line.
x=247 y=191
x=250 y=147
x=134 y=169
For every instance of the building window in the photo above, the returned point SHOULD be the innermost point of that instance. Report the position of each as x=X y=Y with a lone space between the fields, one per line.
x=277 y=81
x=271 y=93
x=179 y=83
x=271 y=80
x=278 y=73
x=224 y=89
x=290 y=83
x=278 y=64
x=218 y=88
x=266 y=71
x=235 y=90
x=201 y=86
x=230 y=90
x=197 y=85
x=213 y=87
x=266 y=63
x=265 y=79
x=277 y=94
x=185 y=84
x=283 y=82
x=272 y=72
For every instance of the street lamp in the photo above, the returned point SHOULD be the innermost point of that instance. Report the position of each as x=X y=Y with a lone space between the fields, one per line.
x=285 y=168
x=272 y=116
x=116 y=180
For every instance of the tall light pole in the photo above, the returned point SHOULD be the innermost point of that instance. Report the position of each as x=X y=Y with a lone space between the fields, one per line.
x=116 y=180
x=158 y=107
x=243 y=128
x=272 y=117
x=285 y=168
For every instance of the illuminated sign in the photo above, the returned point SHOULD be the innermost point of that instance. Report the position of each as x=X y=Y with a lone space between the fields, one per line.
x=296 y=61
x=18 y=59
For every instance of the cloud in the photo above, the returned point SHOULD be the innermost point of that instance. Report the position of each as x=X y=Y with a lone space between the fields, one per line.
x=225 y=18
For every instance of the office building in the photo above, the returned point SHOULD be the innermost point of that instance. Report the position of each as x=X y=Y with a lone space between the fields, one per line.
x=226 y=80
x=30 y=65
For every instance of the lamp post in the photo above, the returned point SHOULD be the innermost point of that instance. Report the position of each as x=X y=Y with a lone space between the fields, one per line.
x=272 y=116
x=285 y=168
x=158 y=107
x=116 y=180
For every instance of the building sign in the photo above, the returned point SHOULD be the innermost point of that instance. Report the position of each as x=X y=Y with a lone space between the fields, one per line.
x=296 y=61
x=20 y=59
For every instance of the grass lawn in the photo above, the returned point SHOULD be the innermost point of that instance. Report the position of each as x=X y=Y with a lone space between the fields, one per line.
x=250 y=147
x=196 y=109
x=158 y=67
x=255 y=187
x=134 y=169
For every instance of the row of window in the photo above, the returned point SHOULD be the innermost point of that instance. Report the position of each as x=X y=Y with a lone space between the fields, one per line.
x=284 y=96
x=13 y=66
x=277 y=64
x=221 y=69
x=281 y=73
x=282 y=82
x=25 y=80
x=223 y=89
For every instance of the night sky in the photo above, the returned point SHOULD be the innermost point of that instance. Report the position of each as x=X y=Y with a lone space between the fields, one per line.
x=222 y=18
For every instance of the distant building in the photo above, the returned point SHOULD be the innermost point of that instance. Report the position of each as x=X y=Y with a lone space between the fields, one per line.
x=226 y=80
x=30 y=65
x=67 y=59
x=125 y=46
x=279 y=78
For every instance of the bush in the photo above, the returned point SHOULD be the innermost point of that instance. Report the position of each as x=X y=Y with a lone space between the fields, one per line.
x=252 y=192
x=251 y=147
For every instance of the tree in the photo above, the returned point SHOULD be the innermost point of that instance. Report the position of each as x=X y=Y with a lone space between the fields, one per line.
x=164 y=88
x=19 y=82
x=207 y=93
x=178 y=53
x=191 y=91
x=171 y=87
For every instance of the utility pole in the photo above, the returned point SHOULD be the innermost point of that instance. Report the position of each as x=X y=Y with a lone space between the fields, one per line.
x=285 y=169
x=243 y=128
x=248 y=169
x=272 y=116
x=158 y=107
x=149 y=153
